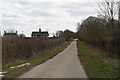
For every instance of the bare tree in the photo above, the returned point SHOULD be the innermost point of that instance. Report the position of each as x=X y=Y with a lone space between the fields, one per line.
x=108 y=9
x=59 y=33
x=10 y=31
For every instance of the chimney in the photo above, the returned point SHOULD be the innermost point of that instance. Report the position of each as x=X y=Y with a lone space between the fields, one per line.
x=39 y=30
x=16 y=32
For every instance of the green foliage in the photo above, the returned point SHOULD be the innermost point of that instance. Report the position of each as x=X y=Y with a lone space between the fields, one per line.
x=100 y=33
x=67 y=34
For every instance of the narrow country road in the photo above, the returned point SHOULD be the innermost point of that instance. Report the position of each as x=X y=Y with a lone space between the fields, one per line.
x=65 y=65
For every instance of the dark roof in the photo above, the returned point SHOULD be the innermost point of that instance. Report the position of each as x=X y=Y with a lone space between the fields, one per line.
x=10 y=34
x=40 y=33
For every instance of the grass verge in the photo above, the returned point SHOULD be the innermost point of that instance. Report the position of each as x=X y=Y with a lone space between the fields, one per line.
x=13 y=73
x=95 y=66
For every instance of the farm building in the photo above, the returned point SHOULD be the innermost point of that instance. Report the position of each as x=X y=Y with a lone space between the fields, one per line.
x=40 y=34
x=10 y=34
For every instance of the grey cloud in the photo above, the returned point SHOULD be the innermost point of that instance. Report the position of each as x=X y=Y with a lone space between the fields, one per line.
x=38 y=9
x=39 y=12
x=80 y=9
x=79 y=5
x=42 y=5
x=8 y=16
x=80 y=12
x=49 y=20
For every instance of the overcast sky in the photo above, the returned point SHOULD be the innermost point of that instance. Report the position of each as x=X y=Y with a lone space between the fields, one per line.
x=50 y=15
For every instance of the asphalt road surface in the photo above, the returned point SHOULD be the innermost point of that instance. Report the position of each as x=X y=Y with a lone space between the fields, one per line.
x=65 y=65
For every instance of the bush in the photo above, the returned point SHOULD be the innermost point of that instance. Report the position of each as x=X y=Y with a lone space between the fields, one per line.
x=99 y=33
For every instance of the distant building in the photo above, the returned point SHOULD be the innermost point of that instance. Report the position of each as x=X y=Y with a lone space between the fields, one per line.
x=12 y=34
x=40 y=34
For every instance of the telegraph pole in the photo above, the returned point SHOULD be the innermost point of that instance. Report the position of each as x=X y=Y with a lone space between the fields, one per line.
x=119 y=11
x=118 y=36
x=22 y=32
x=0 y=34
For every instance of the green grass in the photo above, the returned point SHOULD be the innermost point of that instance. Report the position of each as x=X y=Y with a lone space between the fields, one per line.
x=12 y=73
x=94 y=66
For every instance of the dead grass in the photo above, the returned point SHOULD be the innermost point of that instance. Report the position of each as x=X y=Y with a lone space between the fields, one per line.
x=19 y=49
x=101 y=53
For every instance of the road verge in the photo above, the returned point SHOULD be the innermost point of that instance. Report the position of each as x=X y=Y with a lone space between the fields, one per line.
x=96 y=67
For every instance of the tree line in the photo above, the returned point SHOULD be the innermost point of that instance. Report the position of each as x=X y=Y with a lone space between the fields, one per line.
x=67 y=34
x=102 y=31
